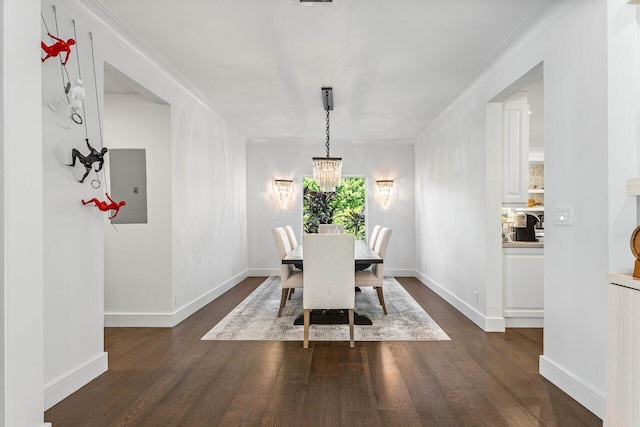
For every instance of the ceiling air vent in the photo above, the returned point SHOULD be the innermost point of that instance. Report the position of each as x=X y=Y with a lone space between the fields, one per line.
x=317 y=2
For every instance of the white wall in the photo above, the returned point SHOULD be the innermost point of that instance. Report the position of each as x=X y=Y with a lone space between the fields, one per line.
x=21 y=216
x=138 y=277
x=73 y=237
x=624 y=93
x=208 y=230
x=270 y=160
x=455 y=176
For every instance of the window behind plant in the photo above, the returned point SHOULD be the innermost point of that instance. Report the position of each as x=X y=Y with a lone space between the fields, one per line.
x=345 y=206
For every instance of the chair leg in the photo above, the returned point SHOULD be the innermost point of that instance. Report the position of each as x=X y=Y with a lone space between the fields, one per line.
x=307 y=319
x=291 y=291
x=351 y=344
x=283 y=300
x=381 y=299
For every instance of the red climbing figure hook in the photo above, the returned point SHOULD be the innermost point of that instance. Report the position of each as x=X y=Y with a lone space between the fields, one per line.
x=104 y=206
x=58 y=47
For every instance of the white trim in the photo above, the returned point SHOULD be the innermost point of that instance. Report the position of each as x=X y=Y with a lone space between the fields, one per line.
x=400 y=272
x=524 y=322
x=524 y=318
x=169 y=320
x=487 y=324
x=498 y=52
x=95 y=10
x=65 y=385
x=527 y=312
x=592 y=399
x=263 y=272
x=138 y=320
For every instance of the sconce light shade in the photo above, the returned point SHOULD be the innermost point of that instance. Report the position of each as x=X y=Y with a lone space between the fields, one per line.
x=284 y=190
x=383 y=192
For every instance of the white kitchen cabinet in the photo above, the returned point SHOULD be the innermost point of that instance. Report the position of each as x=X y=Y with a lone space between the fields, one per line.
x=623 y=348
x=515 y=153
x=523 y=287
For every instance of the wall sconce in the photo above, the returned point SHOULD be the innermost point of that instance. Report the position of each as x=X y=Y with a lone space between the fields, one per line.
x=383 y=192
x=284 y=190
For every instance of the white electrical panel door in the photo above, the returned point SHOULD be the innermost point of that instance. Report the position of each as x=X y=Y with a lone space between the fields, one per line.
x=129 y=183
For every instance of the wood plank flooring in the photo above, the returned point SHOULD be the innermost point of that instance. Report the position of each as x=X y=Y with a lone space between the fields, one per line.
x=168 y=377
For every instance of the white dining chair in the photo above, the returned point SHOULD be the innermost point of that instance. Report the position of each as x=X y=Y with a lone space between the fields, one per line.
x=289 y=278
x=374 y=236
x=328 y=276
x=374 y=276
x=293 y=242
x=330 y=228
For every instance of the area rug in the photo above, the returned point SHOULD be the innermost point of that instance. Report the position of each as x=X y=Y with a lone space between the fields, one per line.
x=255 y=318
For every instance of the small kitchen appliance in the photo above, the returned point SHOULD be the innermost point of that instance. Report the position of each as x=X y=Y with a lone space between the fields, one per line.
x=525 y=227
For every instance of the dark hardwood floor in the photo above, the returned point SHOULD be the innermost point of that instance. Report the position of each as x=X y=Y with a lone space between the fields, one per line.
x=168 y=377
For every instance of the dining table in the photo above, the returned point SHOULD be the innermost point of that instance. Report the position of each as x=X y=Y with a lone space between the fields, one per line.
x=364 y=257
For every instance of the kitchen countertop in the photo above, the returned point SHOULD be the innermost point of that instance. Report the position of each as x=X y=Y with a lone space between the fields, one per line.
x=624 y=280
x=523 y=244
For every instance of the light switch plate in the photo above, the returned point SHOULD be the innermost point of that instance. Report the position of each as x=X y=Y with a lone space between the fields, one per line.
x=563 y=216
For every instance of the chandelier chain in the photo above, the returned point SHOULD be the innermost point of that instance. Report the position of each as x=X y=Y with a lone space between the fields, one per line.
x=327 y=125
x=327 y=133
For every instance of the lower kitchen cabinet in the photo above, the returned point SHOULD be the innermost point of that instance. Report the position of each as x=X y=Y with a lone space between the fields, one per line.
x=523 y=287
x=623 y=348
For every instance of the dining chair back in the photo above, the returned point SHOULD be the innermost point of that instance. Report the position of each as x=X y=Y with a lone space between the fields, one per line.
x=374 y=236
x=382 y=242
x=329 y=282
x=375 y=275
x=289 y=278
x=293 y=242
x=331 y=229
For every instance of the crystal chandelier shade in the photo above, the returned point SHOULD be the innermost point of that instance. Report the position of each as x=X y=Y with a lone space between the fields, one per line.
x=327 y=171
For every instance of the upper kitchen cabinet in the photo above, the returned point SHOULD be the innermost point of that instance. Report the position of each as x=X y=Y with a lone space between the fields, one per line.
x=515 y=152
x=535 y=100
x=523 y=147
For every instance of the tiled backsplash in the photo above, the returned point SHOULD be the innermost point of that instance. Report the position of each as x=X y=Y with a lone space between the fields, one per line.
x=536 y=181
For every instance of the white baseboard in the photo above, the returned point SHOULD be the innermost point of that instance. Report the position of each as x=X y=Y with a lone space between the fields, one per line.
x=523 y=322
x=62 y=387
x=487 y=324
x=524 y=318
x=263 y=272
x=584 y=393
x=400 y=272
x=169 y=320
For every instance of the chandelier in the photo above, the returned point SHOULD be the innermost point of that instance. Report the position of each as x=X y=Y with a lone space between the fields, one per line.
x=327 y=171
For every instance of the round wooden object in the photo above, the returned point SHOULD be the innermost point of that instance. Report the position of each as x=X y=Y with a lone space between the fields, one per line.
x=635 y=243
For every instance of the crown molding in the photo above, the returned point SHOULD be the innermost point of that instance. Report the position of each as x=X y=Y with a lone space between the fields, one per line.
x=547 y=12
x=102 y=13
x=496 y=53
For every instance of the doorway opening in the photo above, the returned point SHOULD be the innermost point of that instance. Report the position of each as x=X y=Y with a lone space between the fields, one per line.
x=137 y=252
x=515 y=159
x=345 y=206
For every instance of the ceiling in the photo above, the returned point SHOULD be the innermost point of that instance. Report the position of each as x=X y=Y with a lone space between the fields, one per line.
x=394 y=65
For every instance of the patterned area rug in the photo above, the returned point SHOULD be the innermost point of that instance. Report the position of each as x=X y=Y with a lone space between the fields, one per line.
x=255 y=318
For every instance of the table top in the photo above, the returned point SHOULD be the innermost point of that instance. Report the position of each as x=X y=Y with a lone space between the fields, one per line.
x=364 y=255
